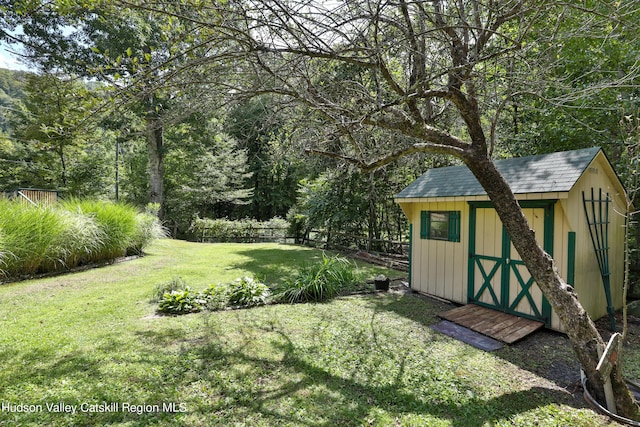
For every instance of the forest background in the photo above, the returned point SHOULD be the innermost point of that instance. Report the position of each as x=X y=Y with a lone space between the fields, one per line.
x=80 y=123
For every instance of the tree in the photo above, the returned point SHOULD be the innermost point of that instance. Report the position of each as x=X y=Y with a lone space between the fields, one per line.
x=274 y=173
x=129 y=49
x=50 y=143
x=418 y=64
x=206 y=172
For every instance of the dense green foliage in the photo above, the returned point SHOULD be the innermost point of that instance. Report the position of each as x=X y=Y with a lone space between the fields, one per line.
x=248 y=292
x=244 y=230
x=312 y=282
x=320 y=281
x=40 y=239
x=362 y=83
x=181 y=301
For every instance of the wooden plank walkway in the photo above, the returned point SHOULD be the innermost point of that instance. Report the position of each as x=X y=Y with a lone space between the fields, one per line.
x=495 y=324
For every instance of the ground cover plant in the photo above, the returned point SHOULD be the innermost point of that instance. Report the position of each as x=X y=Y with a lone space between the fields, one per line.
x=40 y=239
x=92 y=340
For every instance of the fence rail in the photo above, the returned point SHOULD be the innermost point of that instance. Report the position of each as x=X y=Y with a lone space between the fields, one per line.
x=249 y=235
x=347 y=241
x=33 y=196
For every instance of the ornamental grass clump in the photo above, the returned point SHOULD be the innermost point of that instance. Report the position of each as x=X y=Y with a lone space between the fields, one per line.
x=118 y=222
x=31 y=237
x=322 y=281
x=148 y=229
x=80 y=242
x=41 y=239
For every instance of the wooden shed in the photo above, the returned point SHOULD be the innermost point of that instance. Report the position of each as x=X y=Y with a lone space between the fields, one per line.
x=460 y=251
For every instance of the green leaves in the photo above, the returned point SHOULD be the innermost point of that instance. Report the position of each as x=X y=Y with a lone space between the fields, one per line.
x=320 y=281
x=242 y=293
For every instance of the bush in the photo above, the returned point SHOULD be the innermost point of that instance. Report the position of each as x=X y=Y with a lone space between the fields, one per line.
x=175 y=284
x=320 y=282
x=181 y=302
x=217 y=297
x=175 y=297
x=248 y=292
x=244 y=230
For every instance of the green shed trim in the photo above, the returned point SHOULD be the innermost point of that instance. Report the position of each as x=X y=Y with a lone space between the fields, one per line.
x=506 y=265
x=571 y=258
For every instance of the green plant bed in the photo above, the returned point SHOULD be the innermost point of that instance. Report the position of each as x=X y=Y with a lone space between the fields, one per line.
x=93 y=338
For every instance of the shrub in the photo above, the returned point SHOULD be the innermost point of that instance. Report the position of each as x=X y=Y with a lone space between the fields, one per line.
x=244 y=230
x=248 y=292
x=320 y=282
x=217 y=297
x=174 y=297
x=181 y=302
x=175 y=284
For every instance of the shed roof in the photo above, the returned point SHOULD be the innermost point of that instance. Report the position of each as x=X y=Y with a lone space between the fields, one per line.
x=544 y=173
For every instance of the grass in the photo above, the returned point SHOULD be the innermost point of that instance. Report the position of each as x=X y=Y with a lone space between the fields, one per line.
x=42 y=239
x=93 y=338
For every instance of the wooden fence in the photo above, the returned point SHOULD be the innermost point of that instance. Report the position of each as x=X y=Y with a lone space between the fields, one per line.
x=250 y=235
x=316 y=238
x=389 y=253
x=33 y=196
x=346 y=241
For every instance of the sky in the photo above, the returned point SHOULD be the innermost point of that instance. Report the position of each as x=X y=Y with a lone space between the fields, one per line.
x=7 y=60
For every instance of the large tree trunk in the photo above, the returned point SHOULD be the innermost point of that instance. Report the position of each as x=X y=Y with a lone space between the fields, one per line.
x=154 y=134
x=581 y=330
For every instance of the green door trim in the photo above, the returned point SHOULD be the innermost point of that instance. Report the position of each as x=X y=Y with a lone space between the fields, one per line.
x=487 y=277
x=474 y=259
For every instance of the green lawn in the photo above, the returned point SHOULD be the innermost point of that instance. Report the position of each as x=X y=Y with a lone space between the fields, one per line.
x=91 y=340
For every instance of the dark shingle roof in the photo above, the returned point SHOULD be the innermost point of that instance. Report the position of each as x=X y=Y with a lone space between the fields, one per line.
x=554 y=172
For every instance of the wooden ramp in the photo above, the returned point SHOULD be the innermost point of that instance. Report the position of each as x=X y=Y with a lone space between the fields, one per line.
x=495 y=324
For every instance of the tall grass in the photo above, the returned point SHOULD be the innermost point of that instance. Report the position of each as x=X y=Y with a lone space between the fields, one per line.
x=126 y=231
x=320 y=281
x=29 y=234
x=36 y=239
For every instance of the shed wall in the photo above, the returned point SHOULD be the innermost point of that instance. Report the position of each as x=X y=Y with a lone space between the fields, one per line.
x=588 y=281
x=439 y=267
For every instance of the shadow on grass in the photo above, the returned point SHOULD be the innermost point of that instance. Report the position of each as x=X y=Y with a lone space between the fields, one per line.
x=554 y=359
x=296 y=391
x=273 y=265
x=75 y=384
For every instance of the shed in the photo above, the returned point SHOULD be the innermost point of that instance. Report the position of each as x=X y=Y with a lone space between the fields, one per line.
x=574 y=202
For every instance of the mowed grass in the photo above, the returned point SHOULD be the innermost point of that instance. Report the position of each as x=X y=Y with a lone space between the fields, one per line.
x=92 y=341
